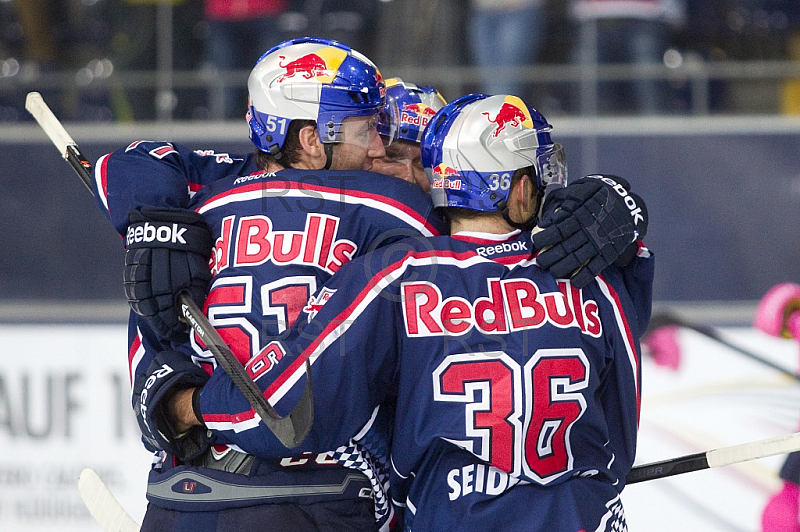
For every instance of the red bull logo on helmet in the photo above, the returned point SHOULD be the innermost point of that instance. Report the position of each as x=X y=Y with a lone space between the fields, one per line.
x=321 y=65
x=444 y=179
x=513 y=113
x=443 y=170
x=417 y=114
x=380 y=83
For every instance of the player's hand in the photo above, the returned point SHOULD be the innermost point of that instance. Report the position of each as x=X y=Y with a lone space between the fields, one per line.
x=170 y=372
x=589 y=225
x=167 y=253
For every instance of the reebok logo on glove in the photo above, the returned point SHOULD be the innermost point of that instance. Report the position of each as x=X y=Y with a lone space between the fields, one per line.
x=636 y=212
x=155 y=233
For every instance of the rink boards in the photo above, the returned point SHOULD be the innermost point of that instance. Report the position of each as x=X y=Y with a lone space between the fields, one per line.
x=74 y=381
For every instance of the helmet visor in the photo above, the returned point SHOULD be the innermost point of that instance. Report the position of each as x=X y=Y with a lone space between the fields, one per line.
x=551 y=165
x=361 y=131
x=389 y=122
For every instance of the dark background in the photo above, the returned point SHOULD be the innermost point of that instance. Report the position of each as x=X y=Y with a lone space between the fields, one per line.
x=723 y=213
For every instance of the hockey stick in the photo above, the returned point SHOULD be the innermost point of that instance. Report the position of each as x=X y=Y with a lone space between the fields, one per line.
x=102 y=504
x=715 y=458
x=666 y=318
x=290 y=429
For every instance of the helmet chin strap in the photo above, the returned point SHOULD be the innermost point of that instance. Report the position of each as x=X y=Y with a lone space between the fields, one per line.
x=531 y=222
x=328 y=155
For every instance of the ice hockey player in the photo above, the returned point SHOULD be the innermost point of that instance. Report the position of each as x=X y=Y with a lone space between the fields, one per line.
x=413 y=107
x=274 y=236
x=167 y=174
x=514 y=395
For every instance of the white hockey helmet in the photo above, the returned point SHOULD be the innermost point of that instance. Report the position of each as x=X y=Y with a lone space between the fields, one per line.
x=473 y=145
x=313 y=79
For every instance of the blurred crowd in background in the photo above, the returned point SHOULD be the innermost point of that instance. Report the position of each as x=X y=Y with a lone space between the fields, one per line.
x=145 y=60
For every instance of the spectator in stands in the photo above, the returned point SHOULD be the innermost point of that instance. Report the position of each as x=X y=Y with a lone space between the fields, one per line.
x=237 y=31
x=623 y=31
x=495 y=29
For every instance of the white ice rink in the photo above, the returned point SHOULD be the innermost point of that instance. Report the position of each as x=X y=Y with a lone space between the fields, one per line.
x=717 y=398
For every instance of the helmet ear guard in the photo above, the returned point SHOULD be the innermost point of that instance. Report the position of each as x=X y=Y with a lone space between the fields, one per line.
x=473 y=145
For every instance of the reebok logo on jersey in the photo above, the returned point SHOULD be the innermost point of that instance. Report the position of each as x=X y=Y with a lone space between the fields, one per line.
x=166 y=234
x=505 y=247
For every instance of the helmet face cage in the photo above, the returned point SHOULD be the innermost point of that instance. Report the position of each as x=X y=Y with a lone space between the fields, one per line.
x=311 y=79
x=411 y=107
x=474 y=145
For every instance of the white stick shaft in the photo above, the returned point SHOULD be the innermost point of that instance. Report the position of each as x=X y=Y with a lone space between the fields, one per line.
x=37 y=107
x=105 y=509
x=753 y=450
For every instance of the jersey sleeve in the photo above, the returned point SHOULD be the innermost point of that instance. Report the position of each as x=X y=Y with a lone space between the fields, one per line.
x=336 y=335
x=638 y=280
x=158 y=174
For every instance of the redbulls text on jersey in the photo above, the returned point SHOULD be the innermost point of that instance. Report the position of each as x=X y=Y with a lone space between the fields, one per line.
x=514 y=397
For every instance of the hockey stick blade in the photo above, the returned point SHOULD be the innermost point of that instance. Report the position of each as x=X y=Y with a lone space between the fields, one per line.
x=662 y=319
x=36 y=106
x=290 y=429
x=102 y=504
x=715 y=458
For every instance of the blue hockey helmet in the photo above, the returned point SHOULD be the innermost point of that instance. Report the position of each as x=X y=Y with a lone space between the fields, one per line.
x=473 y=145
x=313 y=79
x=408 y=110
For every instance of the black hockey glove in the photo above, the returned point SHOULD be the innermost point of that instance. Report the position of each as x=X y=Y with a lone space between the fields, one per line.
x=167 y=253
x=169 y=372
x=589 y=225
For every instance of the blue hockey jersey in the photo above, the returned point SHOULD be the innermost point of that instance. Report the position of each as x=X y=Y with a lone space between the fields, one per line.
x=515 y=396
x=158 y=174
x=278 y=237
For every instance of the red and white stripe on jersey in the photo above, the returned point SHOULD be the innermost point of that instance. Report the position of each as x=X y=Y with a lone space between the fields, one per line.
x=336 y=328
x=162 y=151
x=257 y=191
x=101 y=179
x=627 y=336
x=135 y=353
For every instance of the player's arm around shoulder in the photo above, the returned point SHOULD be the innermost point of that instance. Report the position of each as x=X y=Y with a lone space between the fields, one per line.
x=589 y=225
x=345 y=335
x=157 y=174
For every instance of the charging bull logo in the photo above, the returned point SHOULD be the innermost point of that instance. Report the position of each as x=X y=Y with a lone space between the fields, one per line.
x=513 y=113
x=309 y=66
x=316 y=302
x=419 y=109
x=443 y=170
x=322 y=65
